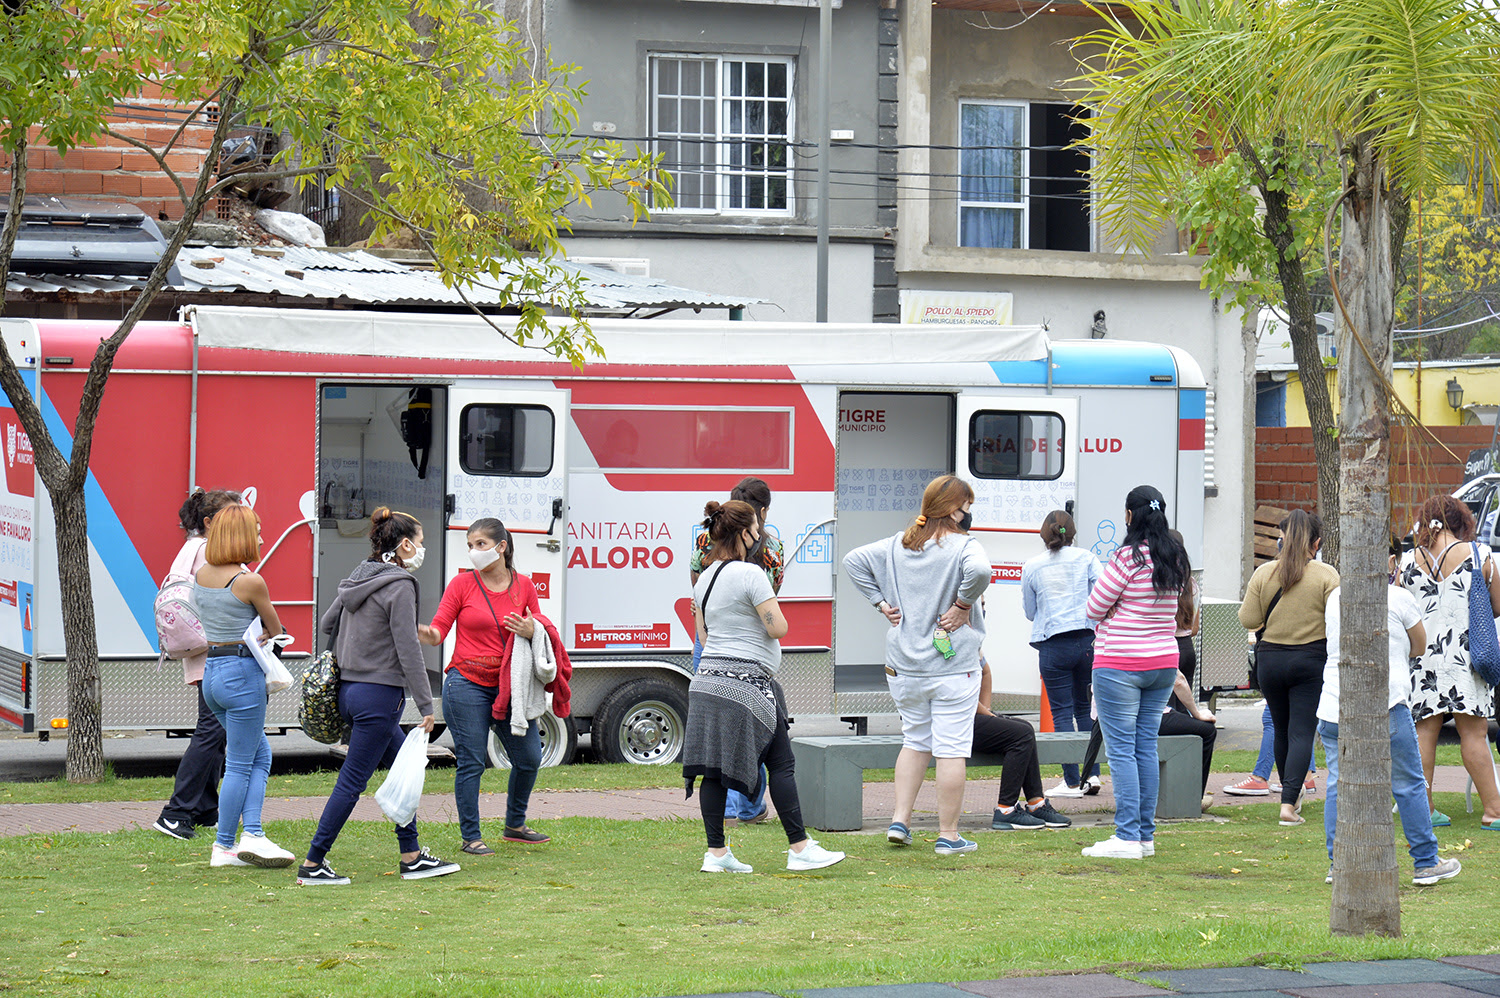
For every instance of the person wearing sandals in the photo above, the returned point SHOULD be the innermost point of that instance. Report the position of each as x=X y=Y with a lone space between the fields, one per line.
x=1135 y=605
x=195 y=791
x=229 y=597
x=1285 y=605
x=380 y=662
x=1439 y=572
x=1055 y=588
x=737 y=720
x=927 y=582
x=487 y=609
x=1404 y=635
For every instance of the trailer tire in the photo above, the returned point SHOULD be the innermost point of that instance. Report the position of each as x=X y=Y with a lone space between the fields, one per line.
x=559 y=742
x=642 y=722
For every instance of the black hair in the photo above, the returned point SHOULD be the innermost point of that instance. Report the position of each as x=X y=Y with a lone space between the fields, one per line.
x=388 y=528
x=493 y=529
x=755 y=492
x=202 y=505
x=1148 y=529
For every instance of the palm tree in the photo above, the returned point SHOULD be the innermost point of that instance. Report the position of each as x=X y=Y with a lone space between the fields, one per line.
x=1404 y=91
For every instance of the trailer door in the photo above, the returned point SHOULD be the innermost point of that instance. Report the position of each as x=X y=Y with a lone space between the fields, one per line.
x=508 y=460
x=1020 y=454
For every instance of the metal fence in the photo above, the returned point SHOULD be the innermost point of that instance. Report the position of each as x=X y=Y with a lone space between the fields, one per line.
x=1222 y=664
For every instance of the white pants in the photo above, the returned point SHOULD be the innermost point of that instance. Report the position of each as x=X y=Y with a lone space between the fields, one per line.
x=937 y=712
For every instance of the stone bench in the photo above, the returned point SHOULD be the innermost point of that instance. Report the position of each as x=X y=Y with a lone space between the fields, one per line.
x=831 y=770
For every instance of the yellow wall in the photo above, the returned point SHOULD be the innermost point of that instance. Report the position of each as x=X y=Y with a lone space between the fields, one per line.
x=1481 y=385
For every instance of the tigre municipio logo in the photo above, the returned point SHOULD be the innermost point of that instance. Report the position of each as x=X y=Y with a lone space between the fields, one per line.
x=10 y=443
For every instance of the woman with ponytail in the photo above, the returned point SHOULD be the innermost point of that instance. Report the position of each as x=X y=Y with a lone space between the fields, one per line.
x=487 y=609
x=1284 y=606
x=927 y=583
x=1134 y=606
x=1055 y=587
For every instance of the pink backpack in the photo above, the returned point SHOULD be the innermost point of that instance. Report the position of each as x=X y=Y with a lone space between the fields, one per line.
x=179 y=632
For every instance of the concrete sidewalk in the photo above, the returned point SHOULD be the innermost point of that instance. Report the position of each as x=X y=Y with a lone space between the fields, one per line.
x=662 y=803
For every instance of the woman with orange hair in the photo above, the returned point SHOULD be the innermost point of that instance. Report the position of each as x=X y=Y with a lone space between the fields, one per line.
x=927 y=583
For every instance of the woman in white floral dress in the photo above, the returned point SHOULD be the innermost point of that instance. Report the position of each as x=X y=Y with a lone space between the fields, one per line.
x=1439 y=572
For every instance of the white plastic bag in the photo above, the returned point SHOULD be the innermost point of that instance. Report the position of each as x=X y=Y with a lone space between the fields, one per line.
x=401 y=792
x=277 y=676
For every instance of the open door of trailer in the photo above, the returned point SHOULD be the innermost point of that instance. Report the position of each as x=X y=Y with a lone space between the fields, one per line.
x=1020 y=454
x=509 y=461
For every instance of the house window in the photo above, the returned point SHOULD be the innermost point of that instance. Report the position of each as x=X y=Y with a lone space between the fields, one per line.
x=723 y=128
x=1020 y=186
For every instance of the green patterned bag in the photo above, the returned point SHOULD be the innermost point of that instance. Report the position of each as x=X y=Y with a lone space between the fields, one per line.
x=318 y=713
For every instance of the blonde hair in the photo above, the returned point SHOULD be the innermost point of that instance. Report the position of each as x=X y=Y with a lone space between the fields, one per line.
x=233 y=536
x=1301 y=531
x=942 y=496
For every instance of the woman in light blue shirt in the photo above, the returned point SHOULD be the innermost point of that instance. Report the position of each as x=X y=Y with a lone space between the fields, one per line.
x=1055 y=590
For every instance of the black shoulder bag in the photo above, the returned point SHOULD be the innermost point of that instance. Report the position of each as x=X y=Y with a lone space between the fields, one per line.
x=1254 y=664
x=703 y=607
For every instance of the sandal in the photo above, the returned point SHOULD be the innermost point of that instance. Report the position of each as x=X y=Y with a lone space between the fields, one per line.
x=477 y=848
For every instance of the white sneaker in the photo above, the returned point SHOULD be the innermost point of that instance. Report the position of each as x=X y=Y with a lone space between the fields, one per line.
x=1444 y=869
x=1115 y=848
x=812 y=857
x=1148 y=849
x=257 y=850
x=225 y=857
x=1064 y=789
x=726 y=864
x=1092 y=786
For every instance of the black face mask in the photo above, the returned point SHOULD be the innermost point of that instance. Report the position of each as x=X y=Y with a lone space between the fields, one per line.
x=754 y=551
x=967 y=521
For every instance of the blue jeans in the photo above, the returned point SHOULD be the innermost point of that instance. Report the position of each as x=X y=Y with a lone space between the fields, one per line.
x=235 y=690
x=1067 y=664
x=1408 y=786
x=1266 y=760
x=374 y=712
x=467 y=708
x=1130 y=708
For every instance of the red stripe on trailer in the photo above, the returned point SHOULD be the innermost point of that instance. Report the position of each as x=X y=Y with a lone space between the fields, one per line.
x=12 y=717
x=1191 y=434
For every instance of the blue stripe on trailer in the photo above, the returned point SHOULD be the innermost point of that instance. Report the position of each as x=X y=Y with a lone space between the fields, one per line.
x=1095 y=362
x=1192 y=403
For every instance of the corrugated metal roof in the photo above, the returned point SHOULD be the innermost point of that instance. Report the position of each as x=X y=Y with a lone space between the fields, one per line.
x=358 y=277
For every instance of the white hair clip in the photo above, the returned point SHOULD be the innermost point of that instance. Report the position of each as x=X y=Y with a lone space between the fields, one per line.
x=1155 y=504
x=1436 y=524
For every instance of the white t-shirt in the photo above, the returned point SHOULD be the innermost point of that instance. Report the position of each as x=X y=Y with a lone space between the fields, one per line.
x=734 y=628
x=1401 y=613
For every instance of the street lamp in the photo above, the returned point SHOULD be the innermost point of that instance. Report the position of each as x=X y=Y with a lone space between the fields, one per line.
x=1455 y=394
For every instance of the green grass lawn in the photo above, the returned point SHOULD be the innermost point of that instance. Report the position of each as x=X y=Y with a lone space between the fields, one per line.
x=614 y=908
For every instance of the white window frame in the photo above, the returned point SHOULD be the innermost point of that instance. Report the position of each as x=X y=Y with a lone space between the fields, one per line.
x=1025 y=203
x=721 y=170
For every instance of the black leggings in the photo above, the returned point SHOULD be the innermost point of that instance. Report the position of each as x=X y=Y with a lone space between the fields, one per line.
x=1181 y=723
x=1011 y=737
x=1291 y=677
x=783 y=786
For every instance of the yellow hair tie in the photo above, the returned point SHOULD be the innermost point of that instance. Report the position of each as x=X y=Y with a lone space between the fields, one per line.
x=921 y=520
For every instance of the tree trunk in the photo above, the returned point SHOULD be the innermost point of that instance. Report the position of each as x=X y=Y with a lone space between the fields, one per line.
x=1303 y=327
x=1364 y=853
x=85 y=735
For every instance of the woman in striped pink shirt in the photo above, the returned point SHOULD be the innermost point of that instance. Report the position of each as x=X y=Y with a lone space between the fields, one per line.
x=1135 y=663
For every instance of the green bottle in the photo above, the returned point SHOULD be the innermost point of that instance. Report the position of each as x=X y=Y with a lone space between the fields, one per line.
x=941 y=642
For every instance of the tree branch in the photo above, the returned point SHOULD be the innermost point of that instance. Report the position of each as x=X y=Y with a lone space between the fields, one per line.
x=160 y=157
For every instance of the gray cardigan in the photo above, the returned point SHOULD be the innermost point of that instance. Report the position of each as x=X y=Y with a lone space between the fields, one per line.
x=378 y=634
x=924 y=584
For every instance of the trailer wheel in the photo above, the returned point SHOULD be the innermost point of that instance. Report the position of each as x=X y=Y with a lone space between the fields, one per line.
x=643 y=722
x=559 y=742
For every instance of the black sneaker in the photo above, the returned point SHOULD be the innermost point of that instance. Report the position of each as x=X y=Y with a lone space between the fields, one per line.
x=427 y=865
x=530 y=836
x=177 y=829
x=319 y=876
x=1050 y=815
x=1016 y=819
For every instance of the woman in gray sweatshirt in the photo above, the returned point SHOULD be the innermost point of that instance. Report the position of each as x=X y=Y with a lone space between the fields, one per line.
x=927 y=582
x=374 y=620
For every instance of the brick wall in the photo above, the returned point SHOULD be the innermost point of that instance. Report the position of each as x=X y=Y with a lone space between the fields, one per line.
x=113 y=170
x=1286 y=472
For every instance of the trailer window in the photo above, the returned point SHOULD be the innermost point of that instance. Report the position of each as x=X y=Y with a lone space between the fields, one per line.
x=506 y=440
x=671 y=439
x=1016 y=445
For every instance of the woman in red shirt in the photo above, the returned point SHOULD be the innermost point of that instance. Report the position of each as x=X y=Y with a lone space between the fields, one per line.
x=490 y=607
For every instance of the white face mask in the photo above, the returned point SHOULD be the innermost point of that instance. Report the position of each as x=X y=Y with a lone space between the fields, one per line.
x=483 y=559
x=415 y=561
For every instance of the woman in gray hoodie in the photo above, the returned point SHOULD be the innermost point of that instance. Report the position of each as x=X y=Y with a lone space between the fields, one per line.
x=927 y=582
x=374 y=623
